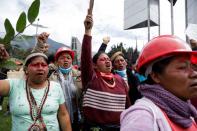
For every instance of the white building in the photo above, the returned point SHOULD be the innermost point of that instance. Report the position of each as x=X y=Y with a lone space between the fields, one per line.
x=76 y=46
x=191 y=17
x=138 y=12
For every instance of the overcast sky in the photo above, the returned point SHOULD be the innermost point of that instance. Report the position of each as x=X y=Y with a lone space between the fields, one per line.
x=64 y=18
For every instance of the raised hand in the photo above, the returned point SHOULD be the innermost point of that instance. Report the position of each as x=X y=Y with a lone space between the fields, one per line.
x=106 y=40
x=42 y=38
x=42 y=45
x=88 y=22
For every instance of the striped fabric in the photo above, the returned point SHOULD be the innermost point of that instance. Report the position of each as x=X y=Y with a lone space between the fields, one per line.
x=104 y=101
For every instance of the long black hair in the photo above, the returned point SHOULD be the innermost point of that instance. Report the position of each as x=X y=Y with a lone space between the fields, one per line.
x=96 y=56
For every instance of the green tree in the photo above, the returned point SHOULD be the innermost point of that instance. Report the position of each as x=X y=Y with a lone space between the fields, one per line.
x=130 y=54
x=115 y=48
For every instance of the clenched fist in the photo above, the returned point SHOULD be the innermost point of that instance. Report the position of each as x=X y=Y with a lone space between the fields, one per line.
x=42 y=38
x=42 y=45
x=106 y=40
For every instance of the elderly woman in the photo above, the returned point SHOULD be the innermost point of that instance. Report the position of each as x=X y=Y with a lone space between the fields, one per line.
x=36 y=103
x=69 y=79
x=170 y=65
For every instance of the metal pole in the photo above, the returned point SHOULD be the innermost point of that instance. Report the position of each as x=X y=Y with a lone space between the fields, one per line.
x=37 y=27
x=159 y=22
x=172 y=18
x=186 y=19
x=136 y=42
x=36 y=32
x=148 y=21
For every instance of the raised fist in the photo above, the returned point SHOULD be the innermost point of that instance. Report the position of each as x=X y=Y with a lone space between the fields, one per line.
x=106 y=40
x=88 y=22
x=42 y=38
x=42 y=45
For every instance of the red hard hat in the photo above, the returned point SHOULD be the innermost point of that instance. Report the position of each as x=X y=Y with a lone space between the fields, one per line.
x=161 y=46
x=64 y=49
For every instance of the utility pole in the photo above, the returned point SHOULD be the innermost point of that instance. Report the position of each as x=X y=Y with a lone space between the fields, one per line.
x=37 y=27
x=172 y=17
x=159 y=22
x=148 y=20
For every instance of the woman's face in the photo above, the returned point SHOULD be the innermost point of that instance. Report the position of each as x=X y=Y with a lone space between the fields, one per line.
x=37 y=70
x=180 y=78
x=103 y=63
x=64 y=60
x=119 y=63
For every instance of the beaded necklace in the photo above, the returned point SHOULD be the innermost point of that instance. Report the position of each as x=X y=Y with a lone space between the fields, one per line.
x=35 y=111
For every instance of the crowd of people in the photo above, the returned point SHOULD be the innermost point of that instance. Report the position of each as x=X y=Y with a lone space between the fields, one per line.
x=105 y=94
